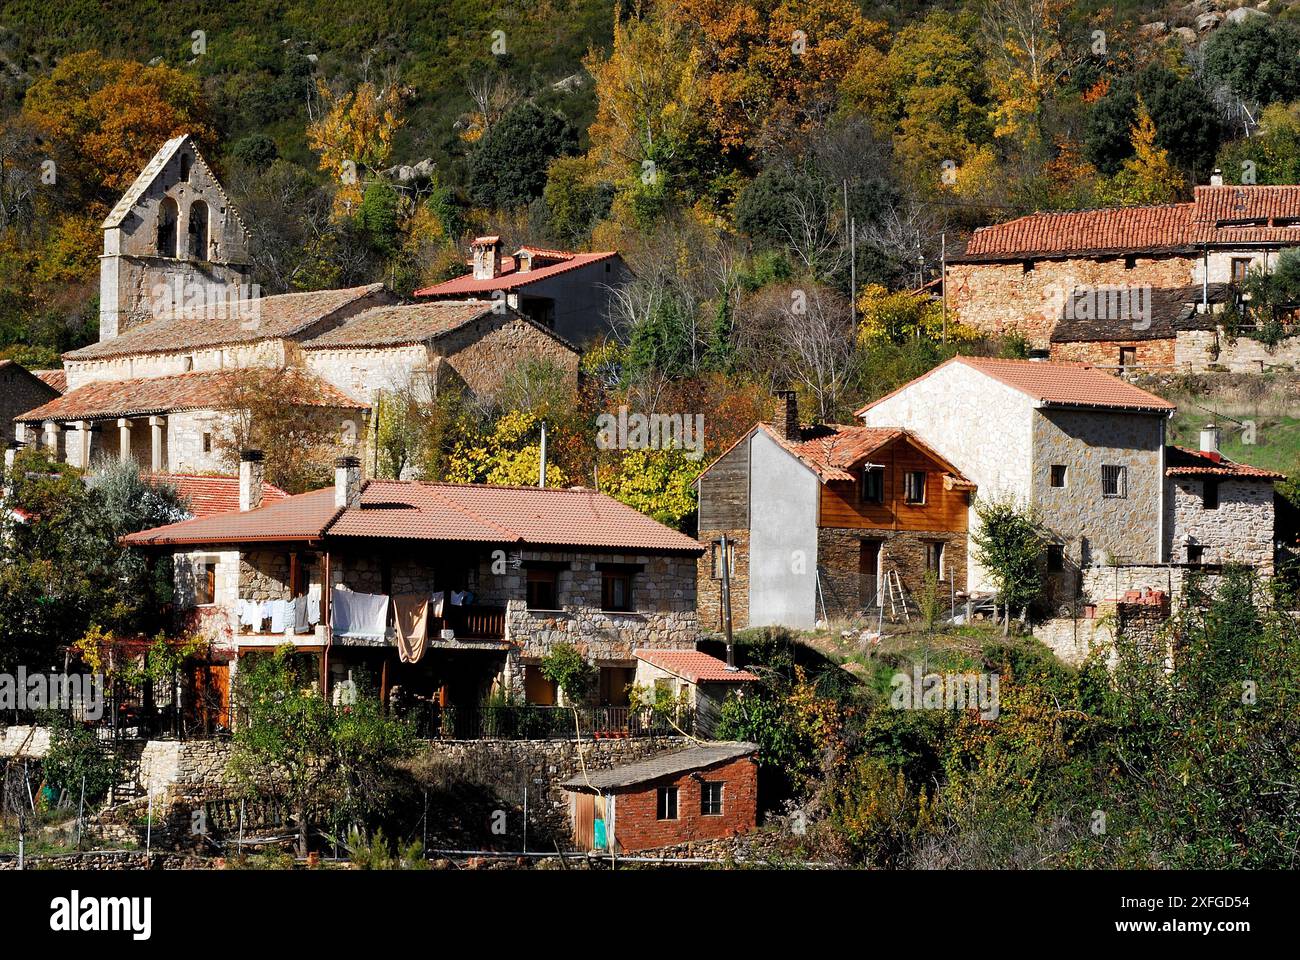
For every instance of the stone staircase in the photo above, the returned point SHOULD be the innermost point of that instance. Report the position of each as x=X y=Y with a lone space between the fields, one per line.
x=127 y=786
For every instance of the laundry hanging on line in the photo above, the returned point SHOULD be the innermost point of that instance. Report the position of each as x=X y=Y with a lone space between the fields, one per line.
x=359 y=615
x=411 y=617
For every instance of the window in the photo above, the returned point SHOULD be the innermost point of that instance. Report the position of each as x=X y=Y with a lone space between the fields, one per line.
x=1114 y=480
x=1240 y=267
x=934 y=558
x=207 y=441
x=1130 y=262
x=711 y=798
x=667 y=805
x=205 y=582
x=1026 y=266
x=1128 y=356
x=873 y=485
x=1055 y=558
x=1210 y=494
x=715 y=557
x=199 y=230
x=168 y=213
x=1195 y=553
x=615 y=591
x=186 y=162
x=1058 y=474
x=541 y=589
x=914 y=486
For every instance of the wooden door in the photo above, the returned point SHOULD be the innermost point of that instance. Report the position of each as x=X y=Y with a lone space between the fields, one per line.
x=209 y=696
x=869 y=574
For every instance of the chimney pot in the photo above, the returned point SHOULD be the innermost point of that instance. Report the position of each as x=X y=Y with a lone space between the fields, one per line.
x=787 y=414
x=487 y=258
x=252 y=471
x=1210 y=439
x=1216 y=178
x=347 y=482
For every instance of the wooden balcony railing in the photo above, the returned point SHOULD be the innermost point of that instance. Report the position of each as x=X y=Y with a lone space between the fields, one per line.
x=470 y=622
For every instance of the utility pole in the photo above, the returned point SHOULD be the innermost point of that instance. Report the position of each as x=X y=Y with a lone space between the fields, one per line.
x=541 y=473
x=943 y=280
x=726 y=603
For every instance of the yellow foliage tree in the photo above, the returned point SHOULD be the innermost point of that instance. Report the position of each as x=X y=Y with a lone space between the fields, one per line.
x=1147 y=177
x=905 y=315
x=510 y=456
x=354 y=137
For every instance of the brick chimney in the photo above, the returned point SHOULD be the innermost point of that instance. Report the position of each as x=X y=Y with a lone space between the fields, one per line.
x=347 y=482
x=1210 y=440
x=786 y=420
x=487 y=257
x=252 y=469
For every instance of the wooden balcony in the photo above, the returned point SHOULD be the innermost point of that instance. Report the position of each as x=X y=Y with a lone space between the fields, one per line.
x=472 y=622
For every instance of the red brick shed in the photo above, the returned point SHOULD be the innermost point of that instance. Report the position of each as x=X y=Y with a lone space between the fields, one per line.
x=703 y=792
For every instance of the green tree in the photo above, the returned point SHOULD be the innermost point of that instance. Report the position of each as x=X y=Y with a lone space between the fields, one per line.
x=1008 y=544
x=1256 y=59
x=508 y=167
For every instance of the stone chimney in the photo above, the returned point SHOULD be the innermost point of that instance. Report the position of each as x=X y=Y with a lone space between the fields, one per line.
x=1210 y=440
x=252 y=469
x=786 y=420
x=523 y=261
x=487 y=257
x=347 y=482
x=1216 y=178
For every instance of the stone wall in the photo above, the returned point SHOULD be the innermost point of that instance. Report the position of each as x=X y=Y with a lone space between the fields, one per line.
x=24 y=740
x=19 y=392
x=1001 y=298
x=113 y=860
x=1106 y=353
x=709 y=590
x=169 y=363
x=1239 y=530
x=1211 y=349
x=363 y=372
x=183 y=770
x=484 y=352
x=839 y=555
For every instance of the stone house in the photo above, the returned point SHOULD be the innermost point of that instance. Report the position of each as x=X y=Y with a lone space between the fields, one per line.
x=1082 y=448
x=571 y=293
x=20 y=389
x=819 y=520
x=178 y=320
x=1218 y=511
x=469 y=344
x=1020 y=276
x=519 y=570
x=705 y=792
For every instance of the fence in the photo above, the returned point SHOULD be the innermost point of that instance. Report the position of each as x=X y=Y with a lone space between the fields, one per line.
x=536 y=722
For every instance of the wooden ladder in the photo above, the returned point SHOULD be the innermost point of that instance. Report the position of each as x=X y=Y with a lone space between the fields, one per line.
x=897 y=595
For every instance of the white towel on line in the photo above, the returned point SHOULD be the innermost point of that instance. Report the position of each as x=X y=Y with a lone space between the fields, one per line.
x=362 y=615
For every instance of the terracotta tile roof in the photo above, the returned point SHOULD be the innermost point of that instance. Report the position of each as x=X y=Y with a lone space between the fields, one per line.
x=413 y=323
x=209 y=496
x=1172 y=310
x=57 y=379
x=411 y=510
x=694 y=665
x=301 y=517
x=1126 y=228
x=1226 y=215
x=832 y=450
x=662 y=765
x=1053 y=384
x=510 y=279
x=1185 y=462
x=246 y=321
x=205 y=390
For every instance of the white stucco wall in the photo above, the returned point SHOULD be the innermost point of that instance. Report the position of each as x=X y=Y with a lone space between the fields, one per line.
x=783 y=499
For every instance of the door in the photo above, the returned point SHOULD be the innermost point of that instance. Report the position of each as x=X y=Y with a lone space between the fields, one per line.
x=209 y=696
x=869 y=574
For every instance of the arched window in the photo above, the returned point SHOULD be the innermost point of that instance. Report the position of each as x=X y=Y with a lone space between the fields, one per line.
x=168 y=213
x=199 y=230
x=186 y=162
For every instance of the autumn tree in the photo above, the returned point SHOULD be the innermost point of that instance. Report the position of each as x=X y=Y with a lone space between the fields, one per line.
x=354 y=136
x=1147 y=177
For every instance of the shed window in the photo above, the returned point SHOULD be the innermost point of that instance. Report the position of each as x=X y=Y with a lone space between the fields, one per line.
x=1240 y=267
x=1210 y=494
x=711 y=798
x=934 y=557
x=542 y=589
x=1128 y=356
x=1114 y=480
x=914 y=486
x=1055 y=558
x=667 y=804
x=873 y=484
x=616 y=591
x=1195 y=553
x=1058 y=474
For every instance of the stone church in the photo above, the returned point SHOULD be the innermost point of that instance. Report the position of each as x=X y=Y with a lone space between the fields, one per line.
x=181 y=323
